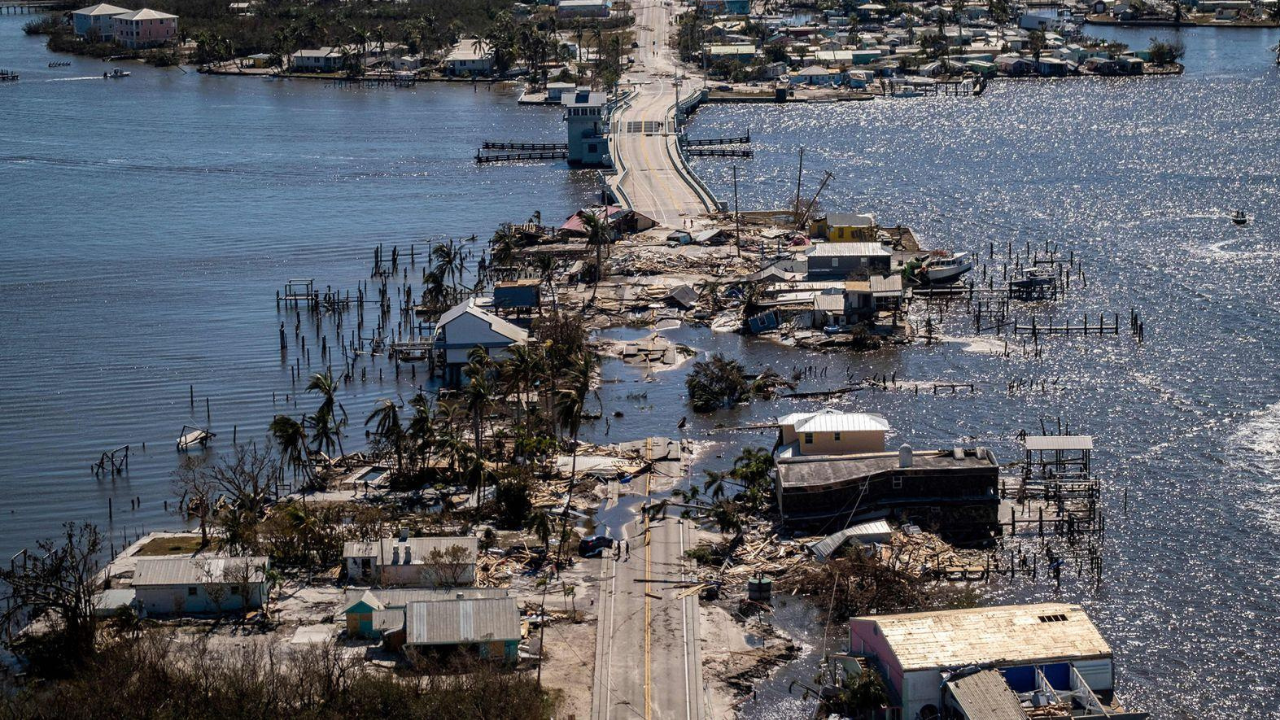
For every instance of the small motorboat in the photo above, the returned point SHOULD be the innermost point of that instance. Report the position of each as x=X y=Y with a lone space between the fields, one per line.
x=1033 y=278
x=116 y=73
x=1239 y=218
x=944 y=267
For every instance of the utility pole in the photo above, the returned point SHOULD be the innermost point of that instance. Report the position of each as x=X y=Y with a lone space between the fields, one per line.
x=799 y=175
x=737 y=224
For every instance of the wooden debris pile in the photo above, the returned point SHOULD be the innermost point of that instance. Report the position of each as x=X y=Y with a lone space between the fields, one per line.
x=925 y=554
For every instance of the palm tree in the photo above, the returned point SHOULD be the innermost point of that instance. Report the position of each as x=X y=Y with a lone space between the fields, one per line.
x=325 y=421
x=421 y=431
x=291 y=436
x=539 y=523
x=386 y=419
x=598 y=233
x=478 y=391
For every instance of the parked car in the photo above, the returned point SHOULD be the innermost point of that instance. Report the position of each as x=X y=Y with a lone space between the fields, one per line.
x=594 y=545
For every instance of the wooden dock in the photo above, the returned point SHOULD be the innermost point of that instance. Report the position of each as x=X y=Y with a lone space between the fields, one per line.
x=719 y=152
x=707 y=142
x=26 y=7
x=493 y=145
x=482 y=159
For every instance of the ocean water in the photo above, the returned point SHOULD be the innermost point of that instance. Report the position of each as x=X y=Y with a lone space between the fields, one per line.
x=146 y=224
x=1137 y=177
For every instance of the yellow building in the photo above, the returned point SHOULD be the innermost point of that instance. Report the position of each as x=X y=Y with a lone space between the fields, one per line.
x=845 y=227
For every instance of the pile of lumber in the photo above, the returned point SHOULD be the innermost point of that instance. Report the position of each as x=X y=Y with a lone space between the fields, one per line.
x=925 y=553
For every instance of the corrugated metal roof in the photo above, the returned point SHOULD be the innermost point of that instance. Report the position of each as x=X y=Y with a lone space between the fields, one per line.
x=870 y=531
x=849 y=249
x=1012 y=634
x=183 y=570
x=1058 y=442
x=985 y=695
x=497 y=324
x=835 y=421
x=359 y=549
x=841 y=219
x=392 y=550
x=399 y=598
x=451 y=622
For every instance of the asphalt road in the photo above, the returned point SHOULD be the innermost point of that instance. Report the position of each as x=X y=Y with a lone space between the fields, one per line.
x=643 y=134
x=647 y=657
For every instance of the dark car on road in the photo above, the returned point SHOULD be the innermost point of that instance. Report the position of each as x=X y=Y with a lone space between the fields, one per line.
x=594 y=545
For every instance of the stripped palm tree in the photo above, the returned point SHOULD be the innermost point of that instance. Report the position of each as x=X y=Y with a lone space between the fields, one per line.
x=386 y=420
x=291 y=436
x=598 y=233
x=326 y=421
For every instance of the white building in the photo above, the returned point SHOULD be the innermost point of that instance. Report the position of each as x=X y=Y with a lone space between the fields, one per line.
x=413 y=562
x=180 y=585
x=466 y=58
x=96 y=20
x=1051 y=650
x=467 y=326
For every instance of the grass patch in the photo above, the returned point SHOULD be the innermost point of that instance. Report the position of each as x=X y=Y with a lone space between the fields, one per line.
x=180 y=545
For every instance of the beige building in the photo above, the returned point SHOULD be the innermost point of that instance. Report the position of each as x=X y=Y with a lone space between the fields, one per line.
x=830 y=432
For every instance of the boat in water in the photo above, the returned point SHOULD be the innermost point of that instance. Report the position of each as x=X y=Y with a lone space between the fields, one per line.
x=943 y=267
x=1239 y=217
x=1036 y=277
x=116 y=73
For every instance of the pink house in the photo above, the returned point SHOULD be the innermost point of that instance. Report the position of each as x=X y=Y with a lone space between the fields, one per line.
x=144 y=28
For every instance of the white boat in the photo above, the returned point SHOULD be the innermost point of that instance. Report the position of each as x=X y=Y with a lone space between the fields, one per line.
x=945 y=268
x=116 y=73
x=1033 y=278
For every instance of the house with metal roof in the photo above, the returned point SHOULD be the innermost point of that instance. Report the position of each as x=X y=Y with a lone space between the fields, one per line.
x=488 y=627
x=833 y=466
x=144 y=28
x=845 y=227
x=469 y=57
x=467 y=326
x=848 y=260
x=995 y=663
x=374 y=612
x=96 y=20
x=200 y=584
x=829 y=432
x=424 y=562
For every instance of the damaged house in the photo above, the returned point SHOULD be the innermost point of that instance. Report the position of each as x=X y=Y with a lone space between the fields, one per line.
x=833 y=465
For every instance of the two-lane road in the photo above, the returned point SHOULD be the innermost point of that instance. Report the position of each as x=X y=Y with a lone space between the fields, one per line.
x=643 y=133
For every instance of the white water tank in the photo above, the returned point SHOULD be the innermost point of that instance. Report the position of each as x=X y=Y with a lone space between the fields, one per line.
x=905 y=458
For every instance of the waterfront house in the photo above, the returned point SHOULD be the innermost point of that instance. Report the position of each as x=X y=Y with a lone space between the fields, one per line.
x=519 y=296
x=1014 y=65
x=467 y=326
x=583 y=8
x=832 y=465
x=990 y=663
x=407 y=63
x=488 y=628
x=144 y=28
x=840 y=261
x=815 y=75
x=469 y=57
x=830 y=432
x=1051 y=67
x=412 y=562
x=320 y=60
x=556 y=91
x=844 y=227
x=185 y=585
x=95 y=21
x=878 y=293
x=371 y=612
